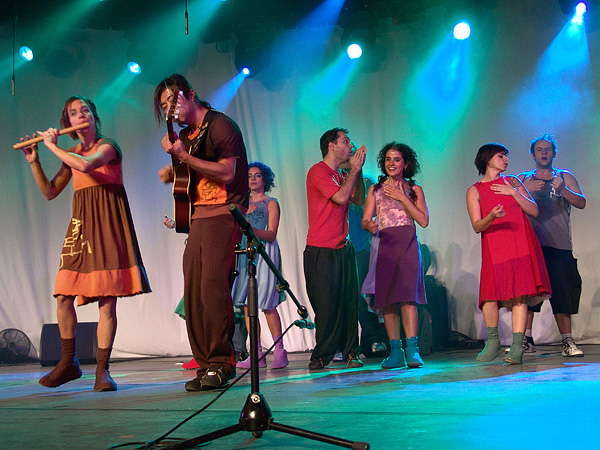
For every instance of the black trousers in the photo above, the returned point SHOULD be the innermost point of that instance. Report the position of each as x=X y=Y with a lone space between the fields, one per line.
x=332 y=287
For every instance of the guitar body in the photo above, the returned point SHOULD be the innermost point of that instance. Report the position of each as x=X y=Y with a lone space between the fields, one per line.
x=182 y=195
x=182 y=182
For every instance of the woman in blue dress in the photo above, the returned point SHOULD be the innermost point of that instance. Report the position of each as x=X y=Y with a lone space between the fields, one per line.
x=263 y=215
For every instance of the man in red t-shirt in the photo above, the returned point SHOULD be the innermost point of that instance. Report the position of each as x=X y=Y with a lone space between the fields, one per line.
x=329 y=258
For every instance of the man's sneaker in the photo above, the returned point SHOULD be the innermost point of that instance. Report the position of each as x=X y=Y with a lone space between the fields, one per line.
x=378 y=349
x=214 y=378
x=316 y=364
x=528 y=345
x=569 y=348
x=353 y=361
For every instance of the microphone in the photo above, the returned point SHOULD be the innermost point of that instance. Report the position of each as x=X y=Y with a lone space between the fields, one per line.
x=304 y=323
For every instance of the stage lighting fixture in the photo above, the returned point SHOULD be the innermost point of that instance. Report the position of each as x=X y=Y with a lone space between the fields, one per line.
x=571 y=7
x=462 y=22
x=252 y=53
x=581 y=8
x=134 y=68
x=141 y=55
x=462 y=31
x=354 y=51
x=26 y=53
x=576 y=7
x=34 y=46
x=358 y=41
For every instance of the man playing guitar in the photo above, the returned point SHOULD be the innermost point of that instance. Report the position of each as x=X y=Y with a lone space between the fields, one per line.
x=211 y=149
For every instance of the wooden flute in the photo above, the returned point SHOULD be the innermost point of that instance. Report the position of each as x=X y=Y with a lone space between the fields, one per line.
x=60 y=133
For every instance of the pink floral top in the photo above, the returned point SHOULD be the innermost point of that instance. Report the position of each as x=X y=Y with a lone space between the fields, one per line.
x=390 y=212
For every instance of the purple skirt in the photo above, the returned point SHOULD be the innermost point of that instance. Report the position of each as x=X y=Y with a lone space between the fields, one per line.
x=399 y=272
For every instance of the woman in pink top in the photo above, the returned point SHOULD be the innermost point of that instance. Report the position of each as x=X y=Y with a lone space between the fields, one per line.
x=398 y=202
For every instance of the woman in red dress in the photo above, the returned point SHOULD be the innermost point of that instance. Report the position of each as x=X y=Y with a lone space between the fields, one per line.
x=513 y=271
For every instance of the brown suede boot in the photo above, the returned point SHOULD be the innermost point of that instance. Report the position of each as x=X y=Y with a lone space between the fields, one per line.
x=67 y=368
x=104 y=381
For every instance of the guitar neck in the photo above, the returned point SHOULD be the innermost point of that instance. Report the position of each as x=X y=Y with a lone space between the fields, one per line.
x=170 y=131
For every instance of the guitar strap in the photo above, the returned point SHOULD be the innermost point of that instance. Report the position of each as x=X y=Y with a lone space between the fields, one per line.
x=198 y=147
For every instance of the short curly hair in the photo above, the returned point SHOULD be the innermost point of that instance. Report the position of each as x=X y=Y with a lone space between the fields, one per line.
x=267 y=174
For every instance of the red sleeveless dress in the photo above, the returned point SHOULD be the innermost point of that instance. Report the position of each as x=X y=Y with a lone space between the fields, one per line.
x=512 y=263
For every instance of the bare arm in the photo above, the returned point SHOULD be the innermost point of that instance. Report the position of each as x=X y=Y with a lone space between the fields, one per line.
x=474 y=208
x=531 y=184
x=368 y=211
x=519 y=193
x=165 y=174
x=270 y=234
x=352 y=181
x=221 y=171
x=49 y=189
x=103 y=155
x=417 y=210
x=569 y=189
x=358 y=194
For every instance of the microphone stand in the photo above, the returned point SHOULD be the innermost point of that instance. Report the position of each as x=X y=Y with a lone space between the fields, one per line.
x=256 y=415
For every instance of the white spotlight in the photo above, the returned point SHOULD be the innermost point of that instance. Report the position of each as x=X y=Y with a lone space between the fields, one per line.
x=462 y=31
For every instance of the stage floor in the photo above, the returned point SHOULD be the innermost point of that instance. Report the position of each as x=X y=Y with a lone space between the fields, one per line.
x=453 y=402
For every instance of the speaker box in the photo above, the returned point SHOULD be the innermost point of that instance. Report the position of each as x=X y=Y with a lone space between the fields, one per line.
x=85 y=341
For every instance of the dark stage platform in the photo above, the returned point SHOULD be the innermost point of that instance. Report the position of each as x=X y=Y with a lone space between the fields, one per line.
x=453 y=402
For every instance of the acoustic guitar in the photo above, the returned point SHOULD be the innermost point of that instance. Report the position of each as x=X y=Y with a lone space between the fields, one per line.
x=182 y=181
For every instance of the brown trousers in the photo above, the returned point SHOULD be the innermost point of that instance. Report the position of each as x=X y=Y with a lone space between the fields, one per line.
x=207 y=269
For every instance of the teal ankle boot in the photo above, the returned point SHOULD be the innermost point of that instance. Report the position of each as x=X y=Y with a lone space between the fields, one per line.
x=413 y=359
x=515 y=354
x=396 y=358
x=492 y=347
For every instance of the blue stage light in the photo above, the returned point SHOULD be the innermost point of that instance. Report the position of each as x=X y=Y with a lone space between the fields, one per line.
x=354 y=51
x=358 y=41
x=581 y=9
x=26 y=53
x=462 y=31
x=253 y=52
x=134 y=68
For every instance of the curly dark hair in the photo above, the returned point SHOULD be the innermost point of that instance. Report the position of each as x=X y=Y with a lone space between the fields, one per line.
x=487 y=152
x=267 y=174
x=65 y=121
x=412 y=165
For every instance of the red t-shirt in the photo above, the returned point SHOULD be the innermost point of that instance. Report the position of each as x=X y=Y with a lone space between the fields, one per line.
x=327 y=221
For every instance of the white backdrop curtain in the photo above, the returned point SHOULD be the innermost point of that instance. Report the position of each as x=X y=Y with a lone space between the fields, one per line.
x=510 y=92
